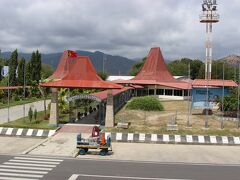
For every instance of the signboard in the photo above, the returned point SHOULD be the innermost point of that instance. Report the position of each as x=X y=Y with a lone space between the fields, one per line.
x=200 y=99
x=4 y=71
x=84 y=96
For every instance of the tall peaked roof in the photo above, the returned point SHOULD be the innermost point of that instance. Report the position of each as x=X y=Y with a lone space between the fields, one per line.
x=77 y=72
x=155 y=68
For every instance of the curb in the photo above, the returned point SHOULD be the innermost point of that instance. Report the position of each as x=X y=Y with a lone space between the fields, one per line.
x=25 y=132
x=173 y=139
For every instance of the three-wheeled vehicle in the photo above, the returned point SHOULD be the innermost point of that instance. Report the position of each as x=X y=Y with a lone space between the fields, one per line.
x=96 y=141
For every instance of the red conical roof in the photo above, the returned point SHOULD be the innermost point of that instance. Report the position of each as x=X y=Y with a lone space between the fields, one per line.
x=77 y=72
x=154 y=68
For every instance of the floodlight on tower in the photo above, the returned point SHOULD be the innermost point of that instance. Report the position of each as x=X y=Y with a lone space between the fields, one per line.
x=209 y=16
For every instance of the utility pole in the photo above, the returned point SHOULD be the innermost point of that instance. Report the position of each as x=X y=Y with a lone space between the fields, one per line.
x=189 y=99
x=222 y=125
x=238 y=118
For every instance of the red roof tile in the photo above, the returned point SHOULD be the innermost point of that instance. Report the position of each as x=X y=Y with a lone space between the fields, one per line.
x=103 y=94
x=155 y=72
x=213 y=82
x=154 y=68
x=77 y=72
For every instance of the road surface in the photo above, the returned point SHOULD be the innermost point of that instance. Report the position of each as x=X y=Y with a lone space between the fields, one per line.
x=16 y=112
x=52 y=168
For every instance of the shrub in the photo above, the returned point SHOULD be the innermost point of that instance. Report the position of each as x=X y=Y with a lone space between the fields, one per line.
x=147 y=103
x=35 y=114
x=30 y=114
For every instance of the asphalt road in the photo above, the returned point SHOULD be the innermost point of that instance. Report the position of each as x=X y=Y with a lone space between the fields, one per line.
x=60 y=168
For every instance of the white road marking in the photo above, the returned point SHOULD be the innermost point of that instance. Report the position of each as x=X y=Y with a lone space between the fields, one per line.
x=201 y=139
x=1 y=130
x=236 y=140
x=141 y=137
x=26 y=167
x=119 y=136
x=37 y=162
x=13 y=178
x=51 y=132
x=29 y=132
x=213 y=139
x=23 y=171
x=130 y=137
x=21 y=175
x=9 y=131
x=224 y=139
x=189 y=138
x=19 y=132
x=39 y=159
x=154 y=137
x=177 y=138
x=39 y=132
x=166 y=138
x=27 y=164
x=75 y=176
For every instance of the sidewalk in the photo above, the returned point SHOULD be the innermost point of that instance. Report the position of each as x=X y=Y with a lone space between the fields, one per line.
x=16 y=112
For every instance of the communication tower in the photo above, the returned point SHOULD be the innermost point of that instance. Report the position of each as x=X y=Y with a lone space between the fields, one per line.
x=209 y=16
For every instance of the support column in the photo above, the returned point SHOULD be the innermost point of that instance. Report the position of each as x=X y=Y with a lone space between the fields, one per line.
x=109 y=121
x=155 y=90
x=53 y=120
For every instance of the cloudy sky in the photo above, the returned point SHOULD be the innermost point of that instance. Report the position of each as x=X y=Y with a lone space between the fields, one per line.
x=119 y=27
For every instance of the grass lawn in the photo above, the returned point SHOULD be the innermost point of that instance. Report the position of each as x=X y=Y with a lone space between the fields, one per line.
x=156 y=121
x=40 y=123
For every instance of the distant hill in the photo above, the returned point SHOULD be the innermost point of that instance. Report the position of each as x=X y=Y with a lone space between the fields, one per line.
x=232 y=59
x=114 y=65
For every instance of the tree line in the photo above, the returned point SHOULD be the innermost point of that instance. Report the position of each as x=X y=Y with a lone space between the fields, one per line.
x=179 y=67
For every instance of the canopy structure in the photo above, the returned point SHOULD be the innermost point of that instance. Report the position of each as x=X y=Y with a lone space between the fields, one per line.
x=155 y=72
x=77 y=72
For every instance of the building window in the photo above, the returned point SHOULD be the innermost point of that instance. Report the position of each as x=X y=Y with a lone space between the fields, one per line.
x=151 y=91
x=178 y=92
x=186 y=92
x=168 y=92
x=160 y=91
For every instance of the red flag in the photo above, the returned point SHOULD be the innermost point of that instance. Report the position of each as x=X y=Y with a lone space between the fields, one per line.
x=72 y=54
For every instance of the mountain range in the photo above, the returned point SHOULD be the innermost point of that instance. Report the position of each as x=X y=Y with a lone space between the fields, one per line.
x=113 y=65
x=233 y=60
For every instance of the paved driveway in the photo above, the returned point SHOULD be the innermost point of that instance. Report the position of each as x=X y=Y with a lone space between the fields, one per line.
x=16 y=112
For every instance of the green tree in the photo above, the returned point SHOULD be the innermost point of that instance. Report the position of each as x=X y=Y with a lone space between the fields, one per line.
x=35 y=114
x=33 y=63
x=103 y=75
x=30 y=114
x=28 y=73
x=180 y=67
x=47 y=71
x=21 y=71
x=38 y=66
x=13 y=63
x=137 y=67
x=1 y=72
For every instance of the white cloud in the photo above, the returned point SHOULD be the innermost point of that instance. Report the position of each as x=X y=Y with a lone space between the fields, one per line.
x=127 y=28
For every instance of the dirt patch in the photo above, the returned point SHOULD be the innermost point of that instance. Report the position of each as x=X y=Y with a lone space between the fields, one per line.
x=156 y=122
